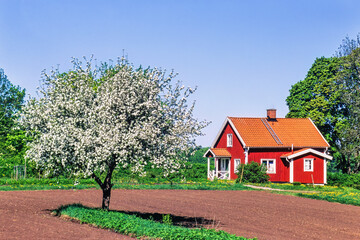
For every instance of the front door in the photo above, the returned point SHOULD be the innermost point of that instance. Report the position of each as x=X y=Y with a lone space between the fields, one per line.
x=224 y=164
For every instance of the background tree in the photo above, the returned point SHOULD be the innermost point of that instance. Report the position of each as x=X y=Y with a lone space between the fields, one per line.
x=319 y=97
x=12 y=139
x=349 y=78
x=92 y=119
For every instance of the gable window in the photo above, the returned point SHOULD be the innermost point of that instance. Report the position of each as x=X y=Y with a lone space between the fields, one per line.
x=229 y=140
x=308 y=164
x=236 y=165
x=270 y=165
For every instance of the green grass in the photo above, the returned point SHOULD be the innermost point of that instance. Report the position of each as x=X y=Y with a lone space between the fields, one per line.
x=205 y=185
x=344 y=195
x=139 y=227
x=7 y=184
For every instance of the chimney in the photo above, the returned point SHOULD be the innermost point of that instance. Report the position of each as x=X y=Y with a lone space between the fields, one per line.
x=271 y=114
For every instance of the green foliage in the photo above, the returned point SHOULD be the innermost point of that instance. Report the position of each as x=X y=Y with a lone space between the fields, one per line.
x=349 y=78
x=8 y=184
x=138 y=227
x=319 y=97
x=253 y=173
x=167 y=219
x=12 y=139
x=344 y=180
x=197 y=157
x=189 y=172
x=296 y=183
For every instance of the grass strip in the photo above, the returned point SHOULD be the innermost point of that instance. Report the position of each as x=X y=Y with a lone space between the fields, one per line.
x=49 y=184
x=138 y=227
x=345 y=197
x=208 y=185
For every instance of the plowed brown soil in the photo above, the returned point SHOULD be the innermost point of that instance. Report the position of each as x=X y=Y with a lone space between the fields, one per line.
x=26 y=214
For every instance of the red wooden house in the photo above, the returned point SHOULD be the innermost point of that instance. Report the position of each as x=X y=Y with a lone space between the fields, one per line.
x=293 y=149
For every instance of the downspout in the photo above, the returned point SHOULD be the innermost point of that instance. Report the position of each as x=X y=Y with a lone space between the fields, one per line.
x=325 y=167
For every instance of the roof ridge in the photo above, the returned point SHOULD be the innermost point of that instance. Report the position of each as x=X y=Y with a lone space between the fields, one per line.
x=276 y=118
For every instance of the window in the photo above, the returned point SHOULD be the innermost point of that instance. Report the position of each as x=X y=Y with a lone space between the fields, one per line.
x=270 y=165
x=229 y=140
x=308 y=164
x=236 y=165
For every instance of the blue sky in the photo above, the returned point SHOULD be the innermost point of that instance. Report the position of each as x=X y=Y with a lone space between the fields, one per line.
x=243 y=55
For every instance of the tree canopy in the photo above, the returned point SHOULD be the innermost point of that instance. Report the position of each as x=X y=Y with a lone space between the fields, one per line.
x=93 y=119
x=330 y=96
x=12 y=138
x=319 y=97
x=349 y=79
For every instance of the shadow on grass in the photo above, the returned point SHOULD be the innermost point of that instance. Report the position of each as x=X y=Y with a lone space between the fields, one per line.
x=188 y=222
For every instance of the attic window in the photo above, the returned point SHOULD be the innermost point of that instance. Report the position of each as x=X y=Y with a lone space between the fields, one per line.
x=229 y=140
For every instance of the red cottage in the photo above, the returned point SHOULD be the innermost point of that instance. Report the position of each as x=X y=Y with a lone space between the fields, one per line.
x=293 y=149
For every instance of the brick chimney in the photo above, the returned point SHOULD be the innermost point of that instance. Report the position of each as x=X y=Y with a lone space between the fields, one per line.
x=271 y=113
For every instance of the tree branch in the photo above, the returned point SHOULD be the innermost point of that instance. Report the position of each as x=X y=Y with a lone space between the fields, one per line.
x=97 y=179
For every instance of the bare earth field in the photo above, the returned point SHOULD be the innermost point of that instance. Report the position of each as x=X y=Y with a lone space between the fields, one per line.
x=26 y=214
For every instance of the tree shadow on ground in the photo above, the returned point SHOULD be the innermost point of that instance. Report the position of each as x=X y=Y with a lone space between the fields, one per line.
x=189 y=222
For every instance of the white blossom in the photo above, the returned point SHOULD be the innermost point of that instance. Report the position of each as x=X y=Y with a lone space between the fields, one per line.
x=91 y=119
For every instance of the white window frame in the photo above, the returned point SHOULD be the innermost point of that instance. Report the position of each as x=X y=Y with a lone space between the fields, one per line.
x=236 y=165
x=267 y=165
x=229 y=142
x=311 y=166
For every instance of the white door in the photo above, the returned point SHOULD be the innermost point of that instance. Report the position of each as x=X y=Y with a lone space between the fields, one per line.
x=224 y=164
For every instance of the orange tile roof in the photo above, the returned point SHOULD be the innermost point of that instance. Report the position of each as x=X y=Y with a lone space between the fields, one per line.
x=281 y=132
x=220 y=152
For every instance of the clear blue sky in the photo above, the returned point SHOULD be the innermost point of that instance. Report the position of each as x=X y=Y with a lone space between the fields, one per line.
x=243 y=55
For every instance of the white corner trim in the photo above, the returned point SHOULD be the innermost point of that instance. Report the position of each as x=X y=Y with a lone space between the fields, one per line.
x=319 y=131
x=291 y=171
x=310 y=150
x=325 y=171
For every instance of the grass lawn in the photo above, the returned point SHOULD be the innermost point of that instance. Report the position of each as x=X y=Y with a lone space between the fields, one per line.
x=139 y=227
x=7 y=184
x=345 y=195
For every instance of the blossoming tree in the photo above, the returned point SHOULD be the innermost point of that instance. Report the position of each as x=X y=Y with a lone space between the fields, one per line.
x=92 y=119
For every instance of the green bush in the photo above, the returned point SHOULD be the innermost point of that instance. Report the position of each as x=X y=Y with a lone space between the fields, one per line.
x=253 y=173
x=344 y=180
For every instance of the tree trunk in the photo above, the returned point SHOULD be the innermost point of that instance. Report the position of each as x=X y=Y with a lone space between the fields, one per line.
x=105 y=187
x=106 y=197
